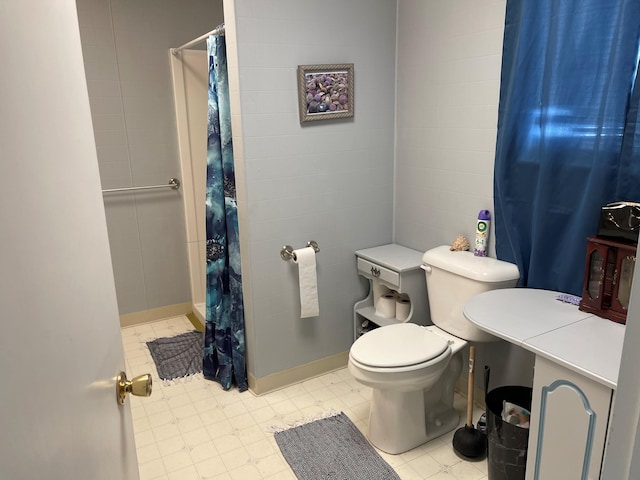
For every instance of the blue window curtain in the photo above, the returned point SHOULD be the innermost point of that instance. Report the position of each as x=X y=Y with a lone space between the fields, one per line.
x=224 y=349
x=567 y=142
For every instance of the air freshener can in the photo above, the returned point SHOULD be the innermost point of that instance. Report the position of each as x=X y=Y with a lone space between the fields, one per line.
x=482 y=233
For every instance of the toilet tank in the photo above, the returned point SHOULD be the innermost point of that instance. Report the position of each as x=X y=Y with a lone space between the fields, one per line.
x=455 y=277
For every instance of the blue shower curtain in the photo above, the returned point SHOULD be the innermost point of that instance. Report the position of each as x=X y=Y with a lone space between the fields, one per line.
x=224 y=348
x=567 y=142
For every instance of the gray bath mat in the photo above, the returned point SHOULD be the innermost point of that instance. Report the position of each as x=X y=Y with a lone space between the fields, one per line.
x=178 y=356
x=332 y=448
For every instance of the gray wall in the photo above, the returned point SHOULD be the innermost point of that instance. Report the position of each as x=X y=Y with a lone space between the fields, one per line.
x=449 y=61
x=125 y=45
x=330 y=181
x=449 y=56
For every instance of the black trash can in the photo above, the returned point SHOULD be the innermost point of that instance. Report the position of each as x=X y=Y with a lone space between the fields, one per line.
x=506 y=443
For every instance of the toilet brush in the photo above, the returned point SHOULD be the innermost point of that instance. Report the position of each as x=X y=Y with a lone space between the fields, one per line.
x=467 y=441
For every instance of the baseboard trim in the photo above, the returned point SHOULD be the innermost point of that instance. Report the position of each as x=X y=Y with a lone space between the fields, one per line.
x=195 y=321
x=154 y=314
x=276 y=381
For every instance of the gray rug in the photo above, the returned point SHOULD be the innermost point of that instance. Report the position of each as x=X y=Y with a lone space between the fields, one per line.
x=332 y=448
x=178 y=356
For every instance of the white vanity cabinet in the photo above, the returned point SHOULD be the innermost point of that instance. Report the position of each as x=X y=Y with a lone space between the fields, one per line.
x=576 y=371
x=577 y=359
x=396 y=268
x=569 y=420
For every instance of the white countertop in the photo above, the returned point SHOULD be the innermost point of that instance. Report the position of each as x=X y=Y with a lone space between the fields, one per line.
x=558 y=331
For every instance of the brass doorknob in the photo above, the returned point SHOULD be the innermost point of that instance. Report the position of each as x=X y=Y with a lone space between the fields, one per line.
x=139 y=386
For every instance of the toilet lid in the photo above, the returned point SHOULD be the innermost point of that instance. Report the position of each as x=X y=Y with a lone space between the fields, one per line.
x=397 y=345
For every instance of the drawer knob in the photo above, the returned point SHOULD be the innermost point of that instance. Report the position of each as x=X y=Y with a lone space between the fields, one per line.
x=375 y=272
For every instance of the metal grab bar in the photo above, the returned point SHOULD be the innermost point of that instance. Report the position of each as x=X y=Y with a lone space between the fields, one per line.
x=174 y=183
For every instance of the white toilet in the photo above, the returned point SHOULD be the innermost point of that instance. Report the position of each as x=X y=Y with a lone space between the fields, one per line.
x=413 y=369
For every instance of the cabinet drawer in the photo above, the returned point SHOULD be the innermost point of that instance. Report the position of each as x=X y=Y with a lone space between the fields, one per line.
x=372 y=270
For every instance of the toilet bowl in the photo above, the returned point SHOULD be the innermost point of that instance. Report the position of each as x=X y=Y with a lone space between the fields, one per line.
x=413 y=383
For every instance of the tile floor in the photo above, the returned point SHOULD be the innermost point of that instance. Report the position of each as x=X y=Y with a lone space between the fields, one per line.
x=195 y=430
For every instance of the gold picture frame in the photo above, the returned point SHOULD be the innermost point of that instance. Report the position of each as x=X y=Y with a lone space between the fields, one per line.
x=325 y=92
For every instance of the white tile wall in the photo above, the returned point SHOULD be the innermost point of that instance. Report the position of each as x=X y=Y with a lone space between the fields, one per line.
x=125 y=46
x=449 y=59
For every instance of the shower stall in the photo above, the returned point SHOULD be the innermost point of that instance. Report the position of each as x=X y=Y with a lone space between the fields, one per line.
x=189 y=69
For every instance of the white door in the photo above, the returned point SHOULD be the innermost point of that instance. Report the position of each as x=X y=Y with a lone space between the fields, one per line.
x=60 y=344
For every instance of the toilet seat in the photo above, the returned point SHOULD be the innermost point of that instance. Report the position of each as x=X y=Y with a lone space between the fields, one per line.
x=396 y=346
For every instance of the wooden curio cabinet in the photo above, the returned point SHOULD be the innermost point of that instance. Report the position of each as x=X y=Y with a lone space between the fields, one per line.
x=607 y=278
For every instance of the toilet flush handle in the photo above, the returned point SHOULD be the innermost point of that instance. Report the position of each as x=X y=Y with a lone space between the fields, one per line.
x=426 y=268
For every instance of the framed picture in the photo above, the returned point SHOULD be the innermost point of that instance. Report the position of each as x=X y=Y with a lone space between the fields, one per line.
x=325 y=91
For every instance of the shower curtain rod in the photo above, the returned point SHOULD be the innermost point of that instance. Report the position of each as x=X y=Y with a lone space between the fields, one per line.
x=195 y=41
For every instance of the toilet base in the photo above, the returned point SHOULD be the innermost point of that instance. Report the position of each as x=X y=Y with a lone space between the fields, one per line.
x=401 y=421
x=401 y=429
